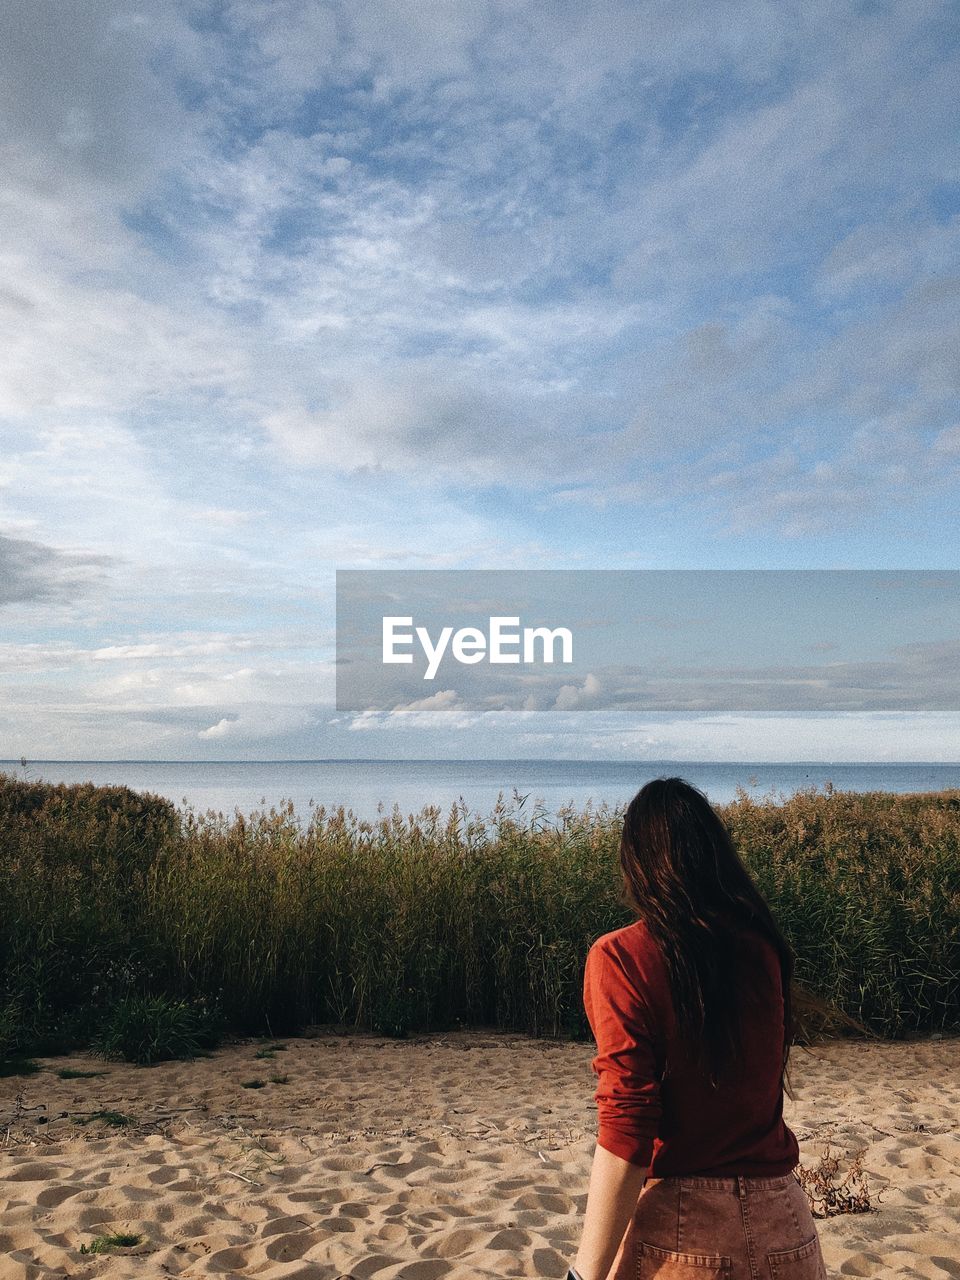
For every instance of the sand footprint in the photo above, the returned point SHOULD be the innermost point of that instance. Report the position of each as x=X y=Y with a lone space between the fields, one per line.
x=512 y=1238
x=21 y=1265
x=295 y=1245
x=342 y=1164
x=453 y=1244
x=486 y=1204
x=336 y=1226
x=32 y=1171
x=370 y=1264
x=14 y=1241
x=51 y=1197
x=532 y=1219
x=864 y=1264
x=355 y=1209
x=198 y=1225
x=287 y=1223
x=321 y=1196
x=548 y=1262
x=392 y=1232
x=131 y=1192
x=95 y=1216
x=447 y=1176
x=547 y=1200
x=424 y=1269
x=230 y=1260
x=162 y=1175
x=255 y=1212
x=512 y=1184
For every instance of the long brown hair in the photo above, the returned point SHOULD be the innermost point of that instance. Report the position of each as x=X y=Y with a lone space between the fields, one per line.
x=684 y=878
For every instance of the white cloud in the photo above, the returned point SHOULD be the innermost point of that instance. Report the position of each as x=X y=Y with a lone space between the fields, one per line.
x=571 y=697
x=222 y=729
x=441 y=710
x=874 y=737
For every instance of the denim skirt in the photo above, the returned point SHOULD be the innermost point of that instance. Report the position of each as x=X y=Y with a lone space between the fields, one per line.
x=691 y=1228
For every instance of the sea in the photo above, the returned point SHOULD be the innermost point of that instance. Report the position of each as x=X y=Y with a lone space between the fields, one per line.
x=372 y=787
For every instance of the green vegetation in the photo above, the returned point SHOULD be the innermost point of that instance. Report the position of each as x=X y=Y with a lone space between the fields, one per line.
x=119 y=1240
x=19 y=1067
x=114 y=1118
x=867 y=889
x=148 y=933
x=270 y=1051
x=148 y=1029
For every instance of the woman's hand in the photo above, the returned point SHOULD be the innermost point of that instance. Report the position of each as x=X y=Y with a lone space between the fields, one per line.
x=615 y=1186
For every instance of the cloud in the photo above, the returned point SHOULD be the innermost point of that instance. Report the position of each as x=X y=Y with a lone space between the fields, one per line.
x=461 y=245
x=181 y=648
x=441 y=701
x=571 y=697
x=83 y=97
x=295 y=284
x=222 y=729
x=874 y=736
x=915 y=678
x=441 y=710
x=32 y=572
x=425 y=417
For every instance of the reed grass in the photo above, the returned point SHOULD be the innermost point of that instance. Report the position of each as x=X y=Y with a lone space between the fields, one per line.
x=271 y=922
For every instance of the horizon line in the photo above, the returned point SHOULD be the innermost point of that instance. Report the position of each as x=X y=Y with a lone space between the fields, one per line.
x=946 y=764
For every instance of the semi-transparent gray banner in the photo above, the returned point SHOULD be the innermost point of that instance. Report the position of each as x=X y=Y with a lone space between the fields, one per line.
x=666 y=641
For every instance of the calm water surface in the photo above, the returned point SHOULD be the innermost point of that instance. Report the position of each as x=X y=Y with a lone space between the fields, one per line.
x=364 y=786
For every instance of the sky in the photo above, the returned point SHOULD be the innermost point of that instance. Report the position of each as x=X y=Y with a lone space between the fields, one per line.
x=289 y=288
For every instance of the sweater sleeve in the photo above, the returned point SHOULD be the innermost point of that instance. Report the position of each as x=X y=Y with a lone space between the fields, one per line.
x=628 y=1090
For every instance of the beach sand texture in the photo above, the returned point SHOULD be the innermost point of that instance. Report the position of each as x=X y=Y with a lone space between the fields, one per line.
x=448 y=1155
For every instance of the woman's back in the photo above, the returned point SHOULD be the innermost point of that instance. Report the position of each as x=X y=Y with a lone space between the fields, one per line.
x=654 y=1098
x=694 y=1165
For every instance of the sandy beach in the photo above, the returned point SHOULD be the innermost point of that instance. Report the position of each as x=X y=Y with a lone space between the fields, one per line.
x=449 y=1155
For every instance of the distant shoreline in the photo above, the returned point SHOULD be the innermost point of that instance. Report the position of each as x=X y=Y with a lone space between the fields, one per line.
x=370 y=786
x=499 y=761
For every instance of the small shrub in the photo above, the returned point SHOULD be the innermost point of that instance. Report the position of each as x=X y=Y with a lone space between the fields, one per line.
x=55 y=1034
x=119 y=1240
x=147 y=1029
x=114 y=1118
x=270 y=1050
x=254 y=1084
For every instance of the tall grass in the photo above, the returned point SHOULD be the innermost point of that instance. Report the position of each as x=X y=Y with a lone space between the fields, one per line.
x=73 y=875
x=867 y=888
x=429 y=921
x=436 y=920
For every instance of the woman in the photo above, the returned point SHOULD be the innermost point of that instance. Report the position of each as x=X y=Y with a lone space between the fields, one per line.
x=690 y=1007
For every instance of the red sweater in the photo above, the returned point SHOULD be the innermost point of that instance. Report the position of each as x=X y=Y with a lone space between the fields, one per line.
x=655 y=1107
